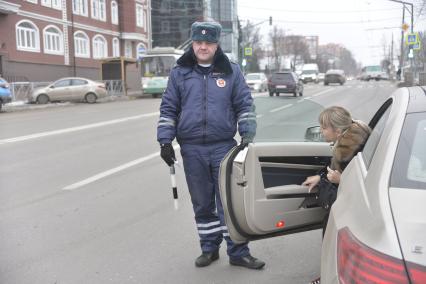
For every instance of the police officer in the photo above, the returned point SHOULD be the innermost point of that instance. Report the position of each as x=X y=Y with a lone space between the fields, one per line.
x=205 y=100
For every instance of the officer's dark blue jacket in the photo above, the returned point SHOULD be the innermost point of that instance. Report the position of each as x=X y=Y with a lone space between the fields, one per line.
x=198 y=108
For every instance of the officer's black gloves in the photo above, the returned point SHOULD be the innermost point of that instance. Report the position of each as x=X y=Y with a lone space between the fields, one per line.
x=168 y=153
x=245 y=140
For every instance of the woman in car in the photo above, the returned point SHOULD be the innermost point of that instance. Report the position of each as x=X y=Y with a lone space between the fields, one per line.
x=348 y=137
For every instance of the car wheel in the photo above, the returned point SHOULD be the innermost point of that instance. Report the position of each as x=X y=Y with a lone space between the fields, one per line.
x=277 y=94
x=1 y=105
x=271 y=94
x=325 y=83
x=90 y=98
x=301 y=94
x=42 y=99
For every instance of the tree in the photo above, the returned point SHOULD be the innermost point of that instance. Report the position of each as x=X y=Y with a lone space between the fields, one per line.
x=251 y=38
x=296 y=47
x=277 y=41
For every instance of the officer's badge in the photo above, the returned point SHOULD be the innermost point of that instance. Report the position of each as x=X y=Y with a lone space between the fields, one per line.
x=220 y=83
x=203 y=32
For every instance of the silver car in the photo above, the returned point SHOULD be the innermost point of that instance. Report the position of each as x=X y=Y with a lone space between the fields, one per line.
x=257 y=82
x=70 y=89
x=376 y=231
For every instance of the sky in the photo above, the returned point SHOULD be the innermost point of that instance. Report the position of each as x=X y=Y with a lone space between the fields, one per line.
x=362 y=26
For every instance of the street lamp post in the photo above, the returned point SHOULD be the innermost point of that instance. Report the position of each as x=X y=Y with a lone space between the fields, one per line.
x=402 y=32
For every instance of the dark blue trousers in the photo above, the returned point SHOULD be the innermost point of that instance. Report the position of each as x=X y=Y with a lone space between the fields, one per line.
x=201 y=163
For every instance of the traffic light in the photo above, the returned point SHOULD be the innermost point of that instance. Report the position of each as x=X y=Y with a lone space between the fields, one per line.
x=270 y=20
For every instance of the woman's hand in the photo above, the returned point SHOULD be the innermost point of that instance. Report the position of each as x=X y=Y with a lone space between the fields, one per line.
x=333 y=176
x=311 y=182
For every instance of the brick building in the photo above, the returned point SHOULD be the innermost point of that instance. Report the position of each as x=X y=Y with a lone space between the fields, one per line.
x=43 y=40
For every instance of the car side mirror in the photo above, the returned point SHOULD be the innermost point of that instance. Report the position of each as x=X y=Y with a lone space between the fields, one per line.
x=313 y=134
x=52 y=87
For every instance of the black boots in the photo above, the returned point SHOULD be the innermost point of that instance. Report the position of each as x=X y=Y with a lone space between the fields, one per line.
x=247 y=261
x=206 y=258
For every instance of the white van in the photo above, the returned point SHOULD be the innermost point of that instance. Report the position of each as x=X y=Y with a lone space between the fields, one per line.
x=310 y=73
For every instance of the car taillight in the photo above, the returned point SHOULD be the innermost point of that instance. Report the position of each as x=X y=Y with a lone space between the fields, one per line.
x=358 y=263
x=417 y=273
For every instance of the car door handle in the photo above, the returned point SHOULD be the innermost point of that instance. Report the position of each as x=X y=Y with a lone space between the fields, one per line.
x=287 y=191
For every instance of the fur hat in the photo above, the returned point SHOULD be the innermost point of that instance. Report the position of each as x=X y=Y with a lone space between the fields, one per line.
x=206 y=31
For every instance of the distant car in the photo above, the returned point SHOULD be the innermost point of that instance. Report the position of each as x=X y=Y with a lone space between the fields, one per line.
x=335 y=76
x=374 y=72
x=285 y=82
x=70 y=89
x=321 y=77
x=377 y=226
x=5 y=93
x=257 y=82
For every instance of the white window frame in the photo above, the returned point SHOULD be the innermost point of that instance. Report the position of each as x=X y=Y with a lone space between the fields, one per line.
x=102 y=10
x=57 y=4
x=139 y=16
x=79 y=7
x=115 y=47
x=47 y=3
x=53 y=39
x=137 y=48
x=98 y=49
x=32 y=1
x=32 y=34
x=78 y=41
x=128 y=49
x=114 y=12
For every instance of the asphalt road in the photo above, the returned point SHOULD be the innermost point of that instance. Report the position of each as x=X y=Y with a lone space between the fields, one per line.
x=85 y=197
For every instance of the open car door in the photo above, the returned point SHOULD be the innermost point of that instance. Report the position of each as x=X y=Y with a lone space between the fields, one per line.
x=261 y=192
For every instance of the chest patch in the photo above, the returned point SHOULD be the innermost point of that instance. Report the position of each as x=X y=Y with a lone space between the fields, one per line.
x=220 y=83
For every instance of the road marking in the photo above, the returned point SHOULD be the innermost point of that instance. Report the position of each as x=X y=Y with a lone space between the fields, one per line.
x=113 y=171
x=323 y=92
x=259 y=115
x=280 y=108
x=301 y=100
x=73 y=129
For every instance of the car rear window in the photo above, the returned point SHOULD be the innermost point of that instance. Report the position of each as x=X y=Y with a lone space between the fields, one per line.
x=282 y=77
x=409 y=169
x=253 y=77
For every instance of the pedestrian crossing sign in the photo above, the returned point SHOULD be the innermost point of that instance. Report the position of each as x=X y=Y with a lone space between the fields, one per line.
x=248 y=51
x=412 y=39
x=417 y=46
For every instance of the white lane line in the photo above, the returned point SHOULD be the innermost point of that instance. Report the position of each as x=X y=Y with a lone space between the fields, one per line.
x=72 y=129
x=259 y=115
x=323 y=92
x=280 y=108
x=301 y=100
x=113 y=171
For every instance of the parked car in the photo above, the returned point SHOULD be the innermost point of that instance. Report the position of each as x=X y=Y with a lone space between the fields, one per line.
x=70 y=89
x=5 y=93
x=321 y=77
x=257 y=82
x=335 y=76
x=377 y=226
x=285 y=82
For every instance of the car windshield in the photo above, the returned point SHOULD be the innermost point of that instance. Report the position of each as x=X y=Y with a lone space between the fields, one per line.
x=157 y=65
x=282 y=77
x=253 y=77
x=309 y=72
x=409 y=170
x=373 y=69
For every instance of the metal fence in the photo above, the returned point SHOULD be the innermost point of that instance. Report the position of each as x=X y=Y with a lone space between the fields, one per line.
x=22 y=91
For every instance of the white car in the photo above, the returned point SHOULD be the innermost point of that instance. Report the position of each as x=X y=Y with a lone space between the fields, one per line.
x=376 y=231
x=69 y=89
x=257 y=82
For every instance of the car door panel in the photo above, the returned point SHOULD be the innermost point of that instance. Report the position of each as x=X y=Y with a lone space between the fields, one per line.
x=263 y=196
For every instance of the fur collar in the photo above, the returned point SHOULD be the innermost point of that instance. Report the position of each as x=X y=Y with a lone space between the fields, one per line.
x=221 y=63
x=349 y=144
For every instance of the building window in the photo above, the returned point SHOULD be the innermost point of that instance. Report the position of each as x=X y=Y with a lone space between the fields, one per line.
x=114 y=13
x=128 y=49
x=53 y=40
x=81 y=45
x=166 y=6
x=32 y=1
x=27 y=36
x=139 y=15
x=140 y=50
x=100 y=49
x=52 y=3
x=165 y=27
x=79 y=7
x=98 y=10
x=115 y=47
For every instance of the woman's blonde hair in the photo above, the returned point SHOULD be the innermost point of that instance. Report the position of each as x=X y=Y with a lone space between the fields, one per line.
x=335 y=117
